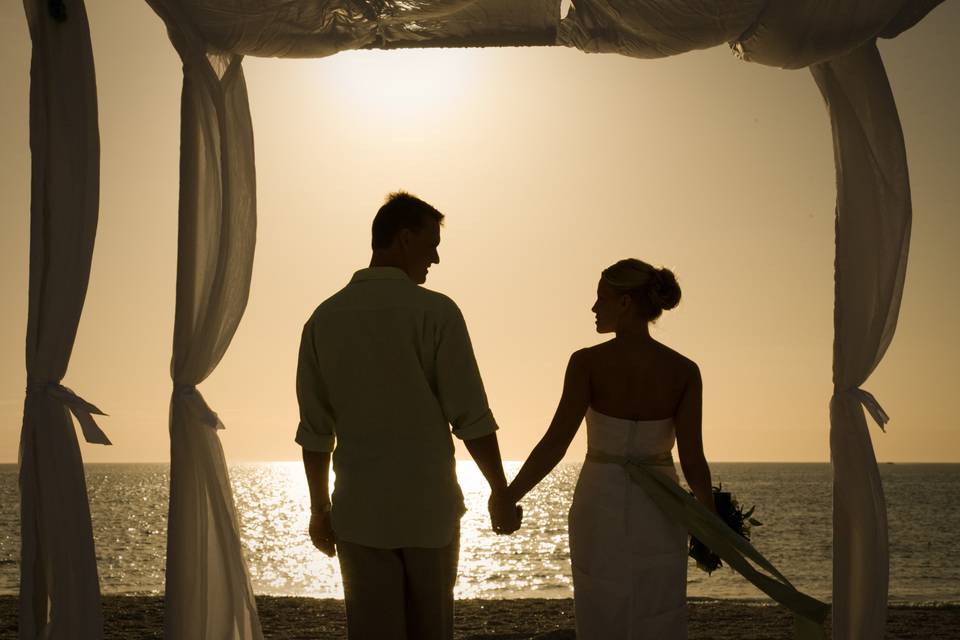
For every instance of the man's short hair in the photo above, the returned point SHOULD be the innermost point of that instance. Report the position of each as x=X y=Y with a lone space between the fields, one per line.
x=401 y=211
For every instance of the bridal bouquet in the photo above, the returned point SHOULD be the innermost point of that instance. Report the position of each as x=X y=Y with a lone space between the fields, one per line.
x=734 y=517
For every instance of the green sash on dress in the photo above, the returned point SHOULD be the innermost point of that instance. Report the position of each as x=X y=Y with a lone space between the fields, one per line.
x=736 y=551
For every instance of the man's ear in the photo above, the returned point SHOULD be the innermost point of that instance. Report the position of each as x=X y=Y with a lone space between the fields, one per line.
x=404 y=238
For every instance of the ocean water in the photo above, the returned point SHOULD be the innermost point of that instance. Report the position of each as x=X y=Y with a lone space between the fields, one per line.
x=129 y=510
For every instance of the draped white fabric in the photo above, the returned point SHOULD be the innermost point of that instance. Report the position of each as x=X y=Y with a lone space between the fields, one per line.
x=873 y=237
x=279 y=28
x=208 y=592
x=782 y=34
x=59 y=588
x=797 y=34
x=656 y=28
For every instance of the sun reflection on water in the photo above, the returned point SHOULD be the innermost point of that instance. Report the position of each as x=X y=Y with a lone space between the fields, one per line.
x=273 y=506
x=128 y=508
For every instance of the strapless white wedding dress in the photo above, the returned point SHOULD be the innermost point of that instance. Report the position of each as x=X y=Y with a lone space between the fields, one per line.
x=629 y=561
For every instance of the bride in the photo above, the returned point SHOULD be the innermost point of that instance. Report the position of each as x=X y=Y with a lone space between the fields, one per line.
x=639 y=396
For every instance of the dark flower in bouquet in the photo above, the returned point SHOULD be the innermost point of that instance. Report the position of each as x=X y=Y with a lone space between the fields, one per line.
x=734 y=516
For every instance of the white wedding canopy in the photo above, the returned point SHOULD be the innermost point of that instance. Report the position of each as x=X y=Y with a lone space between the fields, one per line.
x=208 y=591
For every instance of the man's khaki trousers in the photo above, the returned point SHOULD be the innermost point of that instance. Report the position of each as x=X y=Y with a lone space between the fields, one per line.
x=399 y=594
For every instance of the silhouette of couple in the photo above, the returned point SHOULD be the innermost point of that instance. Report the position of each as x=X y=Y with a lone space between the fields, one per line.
x=386 y=373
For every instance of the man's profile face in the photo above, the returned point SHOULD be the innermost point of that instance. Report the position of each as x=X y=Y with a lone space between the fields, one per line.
x=421 y=250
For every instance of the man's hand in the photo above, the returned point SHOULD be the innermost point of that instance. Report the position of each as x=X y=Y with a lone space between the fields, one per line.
x=321 y=533
x=316 y=464
x=505 y=514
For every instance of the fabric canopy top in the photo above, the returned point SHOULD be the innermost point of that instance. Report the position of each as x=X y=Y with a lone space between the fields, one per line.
x=785 y=34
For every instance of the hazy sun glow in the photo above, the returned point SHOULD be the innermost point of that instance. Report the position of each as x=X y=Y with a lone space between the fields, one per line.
x=399 y=84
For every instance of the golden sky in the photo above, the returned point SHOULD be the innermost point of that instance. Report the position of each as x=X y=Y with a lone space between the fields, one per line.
x=550 y=164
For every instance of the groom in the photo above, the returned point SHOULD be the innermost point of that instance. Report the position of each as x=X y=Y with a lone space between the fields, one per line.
x=386 y=368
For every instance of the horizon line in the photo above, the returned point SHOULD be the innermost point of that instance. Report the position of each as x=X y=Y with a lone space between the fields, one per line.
x=505 y=461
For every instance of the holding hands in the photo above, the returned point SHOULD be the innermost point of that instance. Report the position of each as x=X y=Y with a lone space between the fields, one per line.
x=505 y=514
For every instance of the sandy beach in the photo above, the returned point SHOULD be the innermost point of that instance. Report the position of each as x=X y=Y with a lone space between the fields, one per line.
x=129 y=617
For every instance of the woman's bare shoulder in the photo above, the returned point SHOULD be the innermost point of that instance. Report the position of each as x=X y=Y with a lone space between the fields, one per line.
x=582 y=358
x=589 y=356
x=679 y=363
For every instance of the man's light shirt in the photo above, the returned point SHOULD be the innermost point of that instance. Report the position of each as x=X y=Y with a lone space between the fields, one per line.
x=386 y=367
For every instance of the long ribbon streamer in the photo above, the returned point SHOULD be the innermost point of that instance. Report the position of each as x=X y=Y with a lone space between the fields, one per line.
x=809 y=613
x=872 y=406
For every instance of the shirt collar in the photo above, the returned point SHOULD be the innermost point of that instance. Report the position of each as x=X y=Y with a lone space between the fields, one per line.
x=380 y=273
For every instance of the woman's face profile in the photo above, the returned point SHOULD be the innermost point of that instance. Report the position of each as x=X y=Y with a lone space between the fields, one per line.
x=607 y=308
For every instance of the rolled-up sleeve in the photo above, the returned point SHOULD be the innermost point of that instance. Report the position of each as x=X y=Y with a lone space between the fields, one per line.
x=316 y=429
x=459 y=386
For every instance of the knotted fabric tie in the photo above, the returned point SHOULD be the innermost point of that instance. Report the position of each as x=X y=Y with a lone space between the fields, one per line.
x=189 y=393
x=872 y=406
x=80 y=408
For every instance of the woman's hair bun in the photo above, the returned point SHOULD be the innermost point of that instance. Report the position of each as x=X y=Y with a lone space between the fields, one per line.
x=654 y=290
x=665 y=292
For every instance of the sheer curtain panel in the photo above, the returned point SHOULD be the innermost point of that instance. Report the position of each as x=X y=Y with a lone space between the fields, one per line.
x=873 y=236
x=59 y=588
x=208 y=594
